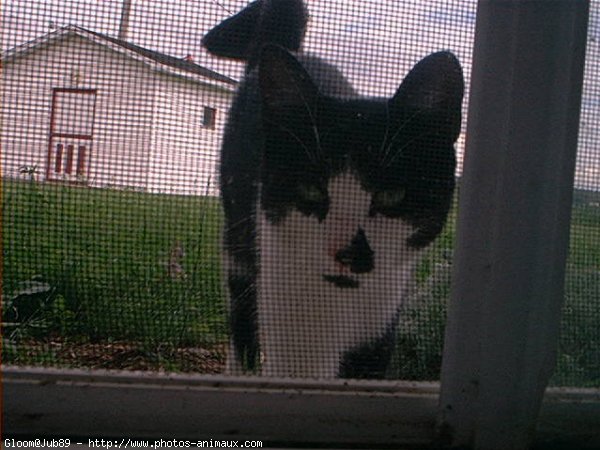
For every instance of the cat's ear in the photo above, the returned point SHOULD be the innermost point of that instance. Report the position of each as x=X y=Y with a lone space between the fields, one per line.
x=281 y=22
x=435 y=86
x=284 y=84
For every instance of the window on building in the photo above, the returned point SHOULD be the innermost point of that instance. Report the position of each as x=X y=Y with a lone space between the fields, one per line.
x=210 y=117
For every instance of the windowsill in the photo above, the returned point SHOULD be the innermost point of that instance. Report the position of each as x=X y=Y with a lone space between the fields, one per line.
x=56 y=402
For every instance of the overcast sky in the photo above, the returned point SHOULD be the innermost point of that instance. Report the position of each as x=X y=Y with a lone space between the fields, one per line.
x=373 y=42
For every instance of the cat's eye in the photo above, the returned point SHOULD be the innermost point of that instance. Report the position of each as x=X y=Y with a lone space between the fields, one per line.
x=389 y=199
x=386 y=201
x=312 y=193
x=312 y=200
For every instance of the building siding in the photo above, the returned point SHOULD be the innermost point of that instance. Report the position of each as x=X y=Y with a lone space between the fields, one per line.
x=148 y=133
x=185 y=152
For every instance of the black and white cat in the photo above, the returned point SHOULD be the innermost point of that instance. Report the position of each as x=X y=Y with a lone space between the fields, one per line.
x=330 y=199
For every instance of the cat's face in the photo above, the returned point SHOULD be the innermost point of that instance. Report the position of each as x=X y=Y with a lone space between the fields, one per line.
x=358 y=182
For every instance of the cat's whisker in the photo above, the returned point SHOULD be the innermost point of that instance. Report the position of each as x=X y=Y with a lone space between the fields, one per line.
x=315 y=129
x=401 y=149
x=387 y=128
x=311 y=156
x=313 y=123
x=386 y=151
x=240 y=222
x=251 y=287
x=396 y=133
x=318 y=140
x=240 y=250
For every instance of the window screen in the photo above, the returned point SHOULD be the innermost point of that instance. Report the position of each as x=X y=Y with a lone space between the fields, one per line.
x=280 y=200
x=578 y=357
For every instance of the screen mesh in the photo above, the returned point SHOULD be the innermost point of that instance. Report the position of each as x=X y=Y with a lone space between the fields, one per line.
x=578 y=356
x=131 y=242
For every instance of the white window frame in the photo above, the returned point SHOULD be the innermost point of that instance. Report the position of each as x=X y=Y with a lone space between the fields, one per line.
x=117 y=404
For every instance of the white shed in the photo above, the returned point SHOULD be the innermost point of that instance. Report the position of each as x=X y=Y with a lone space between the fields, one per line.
x=82 y=107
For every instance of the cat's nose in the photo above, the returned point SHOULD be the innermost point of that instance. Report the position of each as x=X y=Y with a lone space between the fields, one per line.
x=358 y=256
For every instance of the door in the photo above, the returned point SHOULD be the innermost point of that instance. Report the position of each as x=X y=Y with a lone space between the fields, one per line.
x=71 y=134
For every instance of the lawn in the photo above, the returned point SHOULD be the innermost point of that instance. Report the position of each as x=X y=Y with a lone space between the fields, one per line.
x=100 y=266
x=579 y=348
x=121 y=279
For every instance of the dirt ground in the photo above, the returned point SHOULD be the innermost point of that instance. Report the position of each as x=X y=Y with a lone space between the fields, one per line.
x=208 y=359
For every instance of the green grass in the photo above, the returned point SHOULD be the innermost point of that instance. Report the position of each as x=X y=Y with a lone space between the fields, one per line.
x=579 y=347
x=95 y=266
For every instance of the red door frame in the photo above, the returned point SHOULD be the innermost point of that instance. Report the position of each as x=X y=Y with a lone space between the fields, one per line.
x=52 y=135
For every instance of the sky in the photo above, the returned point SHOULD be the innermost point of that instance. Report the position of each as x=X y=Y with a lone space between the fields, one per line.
x=373 y=42
x=347 y=32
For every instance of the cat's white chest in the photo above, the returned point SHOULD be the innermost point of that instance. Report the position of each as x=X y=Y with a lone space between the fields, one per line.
x=307 y=323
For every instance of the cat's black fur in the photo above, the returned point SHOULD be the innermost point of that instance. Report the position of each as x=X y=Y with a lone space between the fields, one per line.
x=296 y=123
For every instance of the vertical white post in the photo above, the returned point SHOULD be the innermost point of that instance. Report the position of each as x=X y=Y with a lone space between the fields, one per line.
x=513 y=225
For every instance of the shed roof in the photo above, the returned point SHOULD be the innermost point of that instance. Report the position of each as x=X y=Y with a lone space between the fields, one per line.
x=165 y=62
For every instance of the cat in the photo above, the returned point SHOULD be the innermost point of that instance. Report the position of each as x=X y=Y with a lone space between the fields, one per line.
x=330 y=199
